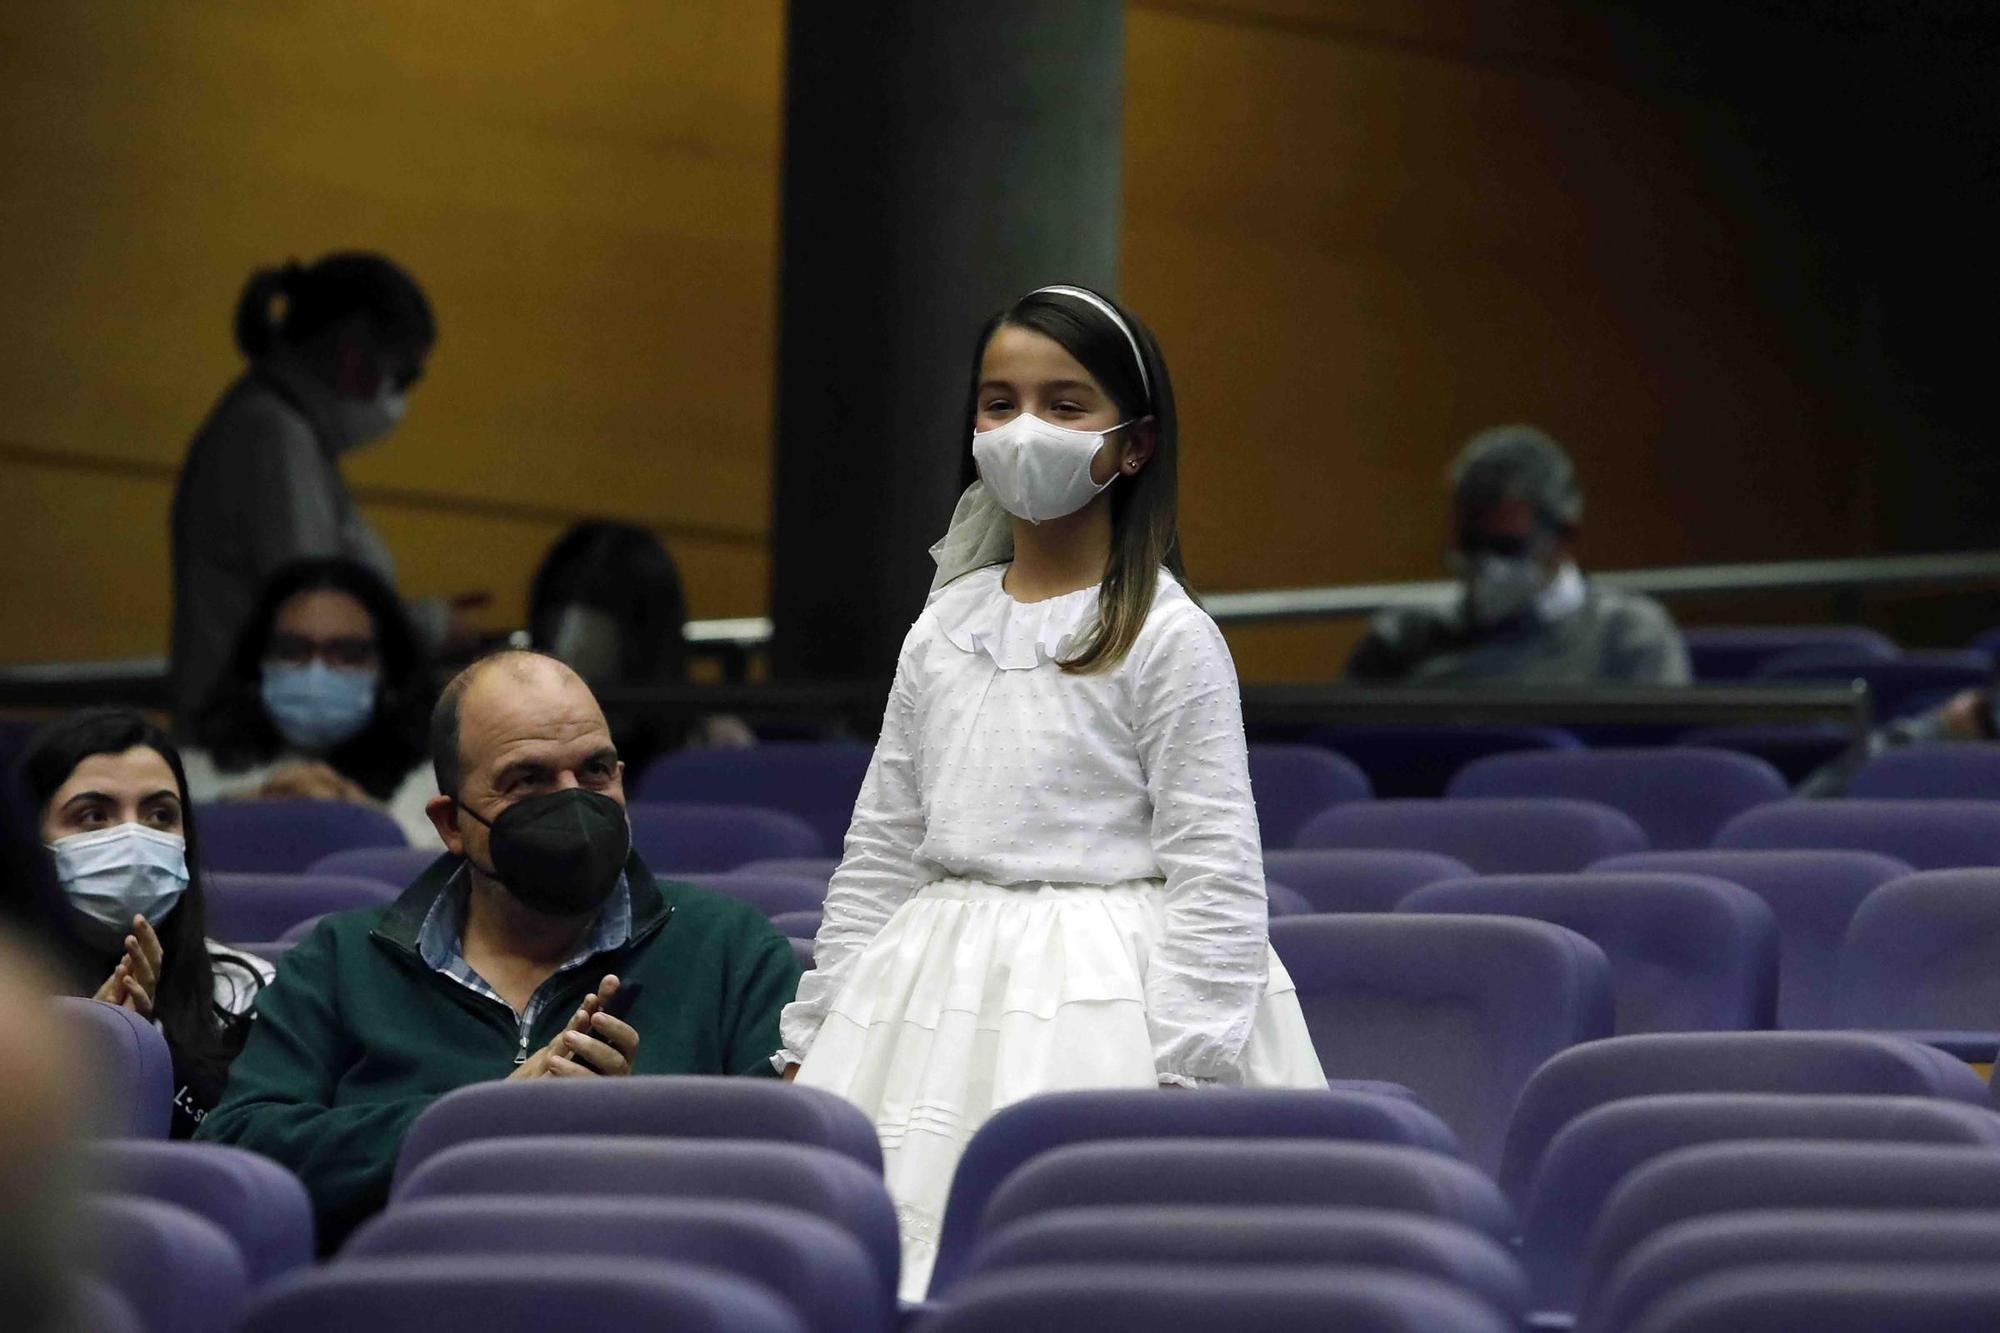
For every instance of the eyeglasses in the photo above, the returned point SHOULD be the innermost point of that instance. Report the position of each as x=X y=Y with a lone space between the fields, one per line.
x=298 y=650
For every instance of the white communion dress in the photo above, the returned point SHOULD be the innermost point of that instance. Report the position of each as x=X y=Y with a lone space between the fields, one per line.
x=1052 y=881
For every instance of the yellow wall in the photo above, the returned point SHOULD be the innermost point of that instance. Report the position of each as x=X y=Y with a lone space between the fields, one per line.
x=587 y=191
x=1362 y=228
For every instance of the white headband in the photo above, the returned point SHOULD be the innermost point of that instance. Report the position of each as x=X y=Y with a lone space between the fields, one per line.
x=1110 y=313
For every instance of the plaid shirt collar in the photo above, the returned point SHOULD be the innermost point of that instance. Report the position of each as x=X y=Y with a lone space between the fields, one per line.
x=441 y=943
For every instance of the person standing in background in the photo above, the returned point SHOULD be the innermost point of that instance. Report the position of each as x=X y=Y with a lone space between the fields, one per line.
x=261 y=486
x=1527 y=615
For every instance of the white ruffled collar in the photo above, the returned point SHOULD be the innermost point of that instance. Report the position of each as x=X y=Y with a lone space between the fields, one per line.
x=979 y=616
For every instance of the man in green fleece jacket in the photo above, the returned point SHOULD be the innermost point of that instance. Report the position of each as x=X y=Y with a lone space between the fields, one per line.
x=495 y=963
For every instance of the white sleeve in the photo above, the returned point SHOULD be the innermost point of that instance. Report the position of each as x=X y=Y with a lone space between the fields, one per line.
x=1207 y=975
x=878 y=871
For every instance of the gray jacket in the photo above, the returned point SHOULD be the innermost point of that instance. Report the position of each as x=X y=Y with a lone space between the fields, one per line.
x=1614 y=638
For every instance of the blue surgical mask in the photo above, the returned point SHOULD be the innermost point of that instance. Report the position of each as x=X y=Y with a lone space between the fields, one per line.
x=111 y=875
x=317 y=707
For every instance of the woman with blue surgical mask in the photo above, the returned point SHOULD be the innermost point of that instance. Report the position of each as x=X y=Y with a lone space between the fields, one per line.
x=112 y=800
x=327 y=698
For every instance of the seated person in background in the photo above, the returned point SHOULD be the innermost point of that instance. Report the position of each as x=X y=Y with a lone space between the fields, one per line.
x=1970 y=715
x=326 y=697
x=607 y=601
x=495 y=963
x=46 y=1102
x=1527 y=615
x=113 y=804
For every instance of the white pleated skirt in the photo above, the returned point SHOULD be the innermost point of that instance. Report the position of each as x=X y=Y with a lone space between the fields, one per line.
x=975 y=996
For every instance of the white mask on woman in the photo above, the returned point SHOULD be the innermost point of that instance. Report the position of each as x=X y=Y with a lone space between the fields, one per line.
x=1038 y=470
x=111 y=875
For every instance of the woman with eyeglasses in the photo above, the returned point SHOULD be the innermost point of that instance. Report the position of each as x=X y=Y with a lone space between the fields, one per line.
x=333 y=350
x=327 y=697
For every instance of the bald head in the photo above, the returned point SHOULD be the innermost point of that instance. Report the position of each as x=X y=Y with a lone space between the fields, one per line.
x=517 y=684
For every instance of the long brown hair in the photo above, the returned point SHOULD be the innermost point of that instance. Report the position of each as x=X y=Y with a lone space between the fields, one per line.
x=1145 y=509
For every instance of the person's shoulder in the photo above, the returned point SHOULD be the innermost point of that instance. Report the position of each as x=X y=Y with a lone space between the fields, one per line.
x=1632 y=610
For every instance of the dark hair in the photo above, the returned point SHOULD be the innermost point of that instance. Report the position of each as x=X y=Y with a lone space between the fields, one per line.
x=446 y=761
x=235 y=729
x=1519 y=463
x=623 y=571
x=331 y=289
x=1145 y=530
x=205 y=1036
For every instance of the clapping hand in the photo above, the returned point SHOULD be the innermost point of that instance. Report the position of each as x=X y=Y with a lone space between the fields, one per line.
x=609 y=1044
x=136 y=979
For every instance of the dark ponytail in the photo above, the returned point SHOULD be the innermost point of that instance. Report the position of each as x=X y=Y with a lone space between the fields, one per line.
x=255 y=328
x=331 y=289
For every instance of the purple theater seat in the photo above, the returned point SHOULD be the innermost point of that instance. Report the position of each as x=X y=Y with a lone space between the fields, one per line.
x=679 y=839
x=1106 y=1298
x=1923 y=953
x=802 y=952
x=287 y=837
x=658 y=1105
x=797 y=925
x=1688 y=953
x=1680 y=795
x=817 y=781
x=1417 y=760
x=1292 y=783
x=1494 y=837
x=264 y=907
x=773 y=895
x=1459 y=1009
x=1691 y=1250
x=1358 y=881
x=97 y=1308
x=1018 y=1133
x=1767 y=1174
x=295 y=933
x=818 y=868
x=259 y=1204
x=1812 y=895
x=1735 y=652
x=178 y=1271
x=1207 y=1235
x=517 y=1294
x=1894 y=1297
x=1601 y=1147
x=1913 y=683
x=1930 y=835
x=1796 y=749
x=1590 y=1075
x=398 y=867
x=818 y=1181
x=1938 y=770
x=132 y=1074
x=1283 y=900
x=1288 y=1172
x=818 y=1269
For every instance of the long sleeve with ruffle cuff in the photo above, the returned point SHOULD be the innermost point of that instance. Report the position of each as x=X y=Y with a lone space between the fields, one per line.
x=1206 y=977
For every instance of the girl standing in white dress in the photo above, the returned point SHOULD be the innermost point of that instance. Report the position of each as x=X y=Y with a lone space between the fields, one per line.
x=1054 y=878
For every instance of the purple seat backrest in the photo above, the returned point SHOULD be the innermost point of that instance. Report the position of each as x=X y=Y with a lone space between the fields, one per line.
x=1211 y=1235
x=1419 y=759
x=1796 y=749
x=1283 y=900
x=132 y=1075
x=288 y=837
x=398 y=867
x=1735 y=652
x=1494 y=837
x=797 y=925
x=1715 y=1178
x=680 y=839
x=773 y=895
x=816 y=780
x=1688 y=1251
x=1913 y=683
x=668 y=1106
x=818 y=1181
x=264 y=906
x=1681 y=796
x=818 y=868
x=821 y=1270
x=1939 y=770
x=514 y=1293
x=1602 y=1146
x=1243 y=1172
x=180 y=1272
x=263 y=1207
x=1097 y=1298
x=1597 y=1072
x=1687 y=952
x=1460 y=1009
x=1923 y=951
x=1333 y=880
x=1018 y=1133
x=1812 y=895
x=1292 y=783
x=1930 y=835
x=802 y=952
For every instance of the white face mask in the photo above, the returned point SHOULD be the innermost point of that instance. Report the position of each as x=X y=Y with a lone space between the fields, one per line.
x=1038 y=470
x=363 y=421
x=111 y=875
x=1500 y=588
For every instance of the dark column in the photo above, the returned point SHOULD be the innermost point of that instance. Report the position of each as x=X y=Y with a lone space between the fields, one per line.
x=941 y=158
